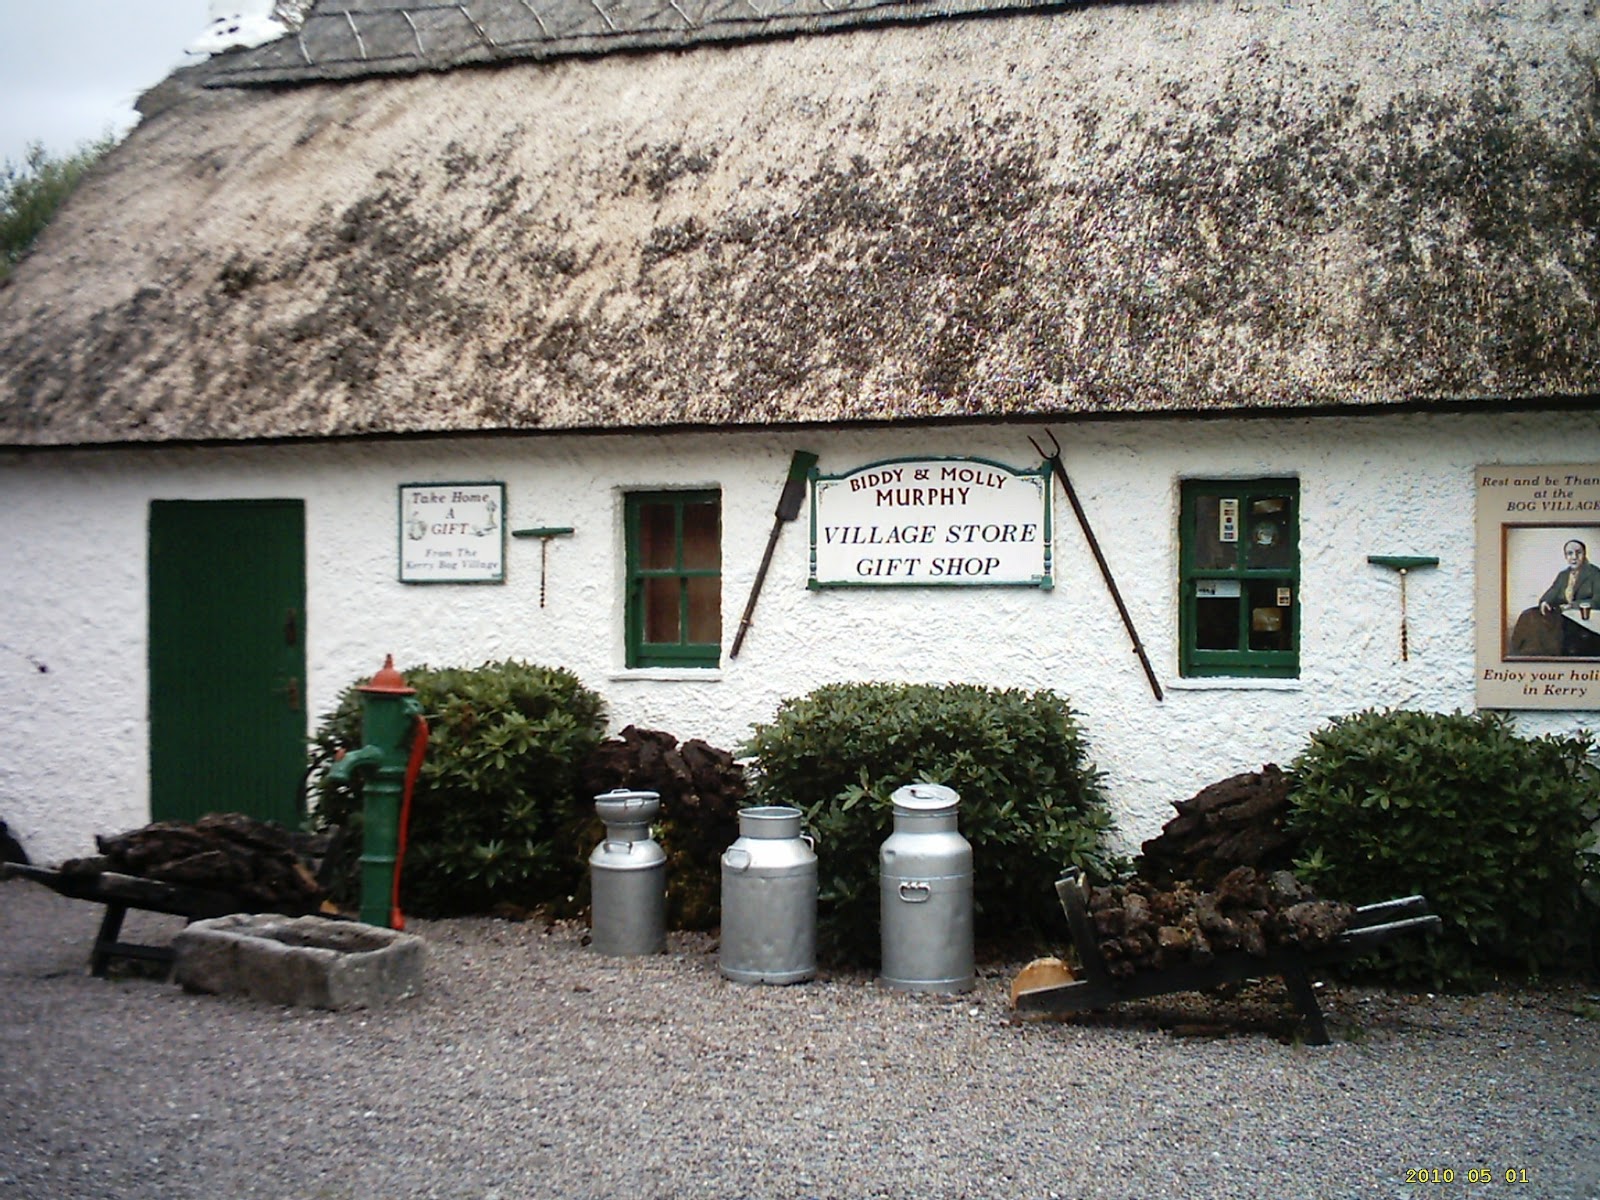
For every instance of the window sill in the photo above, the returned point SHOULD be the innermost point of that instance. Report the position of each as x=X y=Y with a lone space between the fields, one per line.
x=1234 y=683
x=669 y=674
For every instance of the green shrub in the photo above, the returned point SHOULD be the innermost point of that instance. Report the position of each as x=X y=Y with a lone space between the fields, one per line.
x=498 y=804
x=1493 y=828
x=1030 y=801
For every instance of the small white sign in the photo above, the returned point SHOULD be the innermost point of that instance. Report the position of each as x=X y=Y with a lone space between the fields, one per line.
x=919 y=521
x=1228 y=520
x=452 y=532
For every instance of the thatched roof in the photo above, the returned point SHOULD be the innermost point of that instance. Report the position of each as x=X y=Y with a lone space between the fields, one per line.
x=353 y=39
x=1090 y=210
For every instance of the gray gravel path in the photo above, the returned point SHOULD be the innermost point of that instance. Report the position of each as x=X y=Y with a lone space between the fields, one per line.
x=533 y=1069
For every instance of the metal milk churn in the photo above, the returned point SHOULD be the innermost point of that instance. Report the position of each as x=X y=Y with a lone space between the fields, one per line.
x=925 y=886
x=769 y=899
x=628 y=877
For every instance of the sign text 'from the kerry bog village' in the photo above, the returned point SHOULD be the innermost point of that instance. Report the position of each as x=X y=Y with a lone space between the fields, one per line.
x=931 y=521
x=452 y=532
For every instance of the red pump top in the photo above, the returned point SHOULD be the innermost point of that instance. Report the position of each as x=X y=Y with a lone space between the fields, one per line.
x=388 y=681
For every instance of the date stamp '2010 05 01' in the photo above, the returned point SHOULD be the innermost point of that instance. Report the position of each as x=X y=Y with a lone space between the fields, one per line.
x=1425 y=1175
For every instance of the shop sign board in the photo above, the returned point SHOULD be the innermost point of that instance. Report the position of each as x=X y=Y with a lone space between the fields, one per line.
x=963 y=522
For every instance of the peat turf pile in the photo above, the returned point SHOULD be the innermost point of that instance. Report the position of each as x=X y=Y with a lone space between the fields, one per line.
x=1143 y=926
x=266 y=867
x=1242 y=821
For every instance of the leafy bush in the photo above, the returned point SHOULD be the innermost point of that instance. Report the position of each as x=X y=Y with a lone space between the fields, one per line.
x=1030 y=801
x=1493 y=828
x=498 y=803
x=31 y=193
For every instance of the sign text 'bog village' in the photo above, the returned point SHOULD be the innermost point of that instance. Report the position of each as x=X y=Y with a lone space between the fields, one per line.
x=922 y=521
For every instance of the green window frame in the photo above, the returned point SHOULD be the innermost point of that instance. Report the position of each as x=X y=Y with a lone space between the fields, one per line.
x=674 y=578
x=1239 y=586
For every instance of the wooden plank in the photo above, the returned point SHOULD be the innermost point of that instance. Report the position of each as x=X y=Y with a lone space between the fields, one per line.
x=160 y=896
x=132 y=891
x=1075 y=903
x=1359 y=941
x=1077 y=996
x=1305 y=999
x=1389 y=910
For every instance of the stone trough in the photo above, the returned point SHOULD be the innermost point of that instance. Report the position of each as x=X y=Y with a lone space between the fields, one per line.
x=310 y=962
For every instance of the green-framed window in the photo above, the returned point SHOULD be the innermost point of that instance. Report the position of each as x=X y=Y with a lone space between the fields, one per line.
x=1240 y=584
x=674 y=599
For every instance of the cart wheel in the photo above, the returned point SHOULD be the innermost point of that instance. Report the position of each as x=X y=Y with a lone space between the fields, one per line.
x=1040 y=973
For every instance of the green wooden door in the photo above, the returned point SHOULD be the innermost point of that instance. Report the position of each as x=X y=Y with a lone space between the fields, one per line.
x=227 y=658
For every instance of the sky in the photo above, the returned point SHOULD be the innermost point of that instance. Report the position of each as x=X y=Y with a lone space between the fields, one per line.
x=70 y=70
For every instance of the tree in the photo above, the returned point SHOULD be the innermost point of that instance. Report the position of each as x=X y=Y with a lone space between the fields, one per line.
x=31 y=193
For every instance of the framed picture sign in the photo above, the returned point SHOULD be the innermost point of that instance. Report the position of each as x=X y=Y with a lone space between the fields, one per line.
x=1538 y=587
x=452 y=532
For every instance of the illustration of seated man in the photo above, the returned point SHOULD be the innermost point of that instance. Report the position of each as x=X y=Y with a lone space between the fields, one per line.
x=1552 y=628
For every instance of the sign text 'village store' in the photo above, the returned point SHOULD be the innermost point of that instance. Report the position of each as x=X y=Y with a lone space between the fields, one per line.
x=931 y=521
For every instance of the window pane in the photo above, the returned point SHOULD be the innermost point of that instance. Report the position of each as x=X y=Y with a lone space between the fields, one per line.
x=657 y=543
x=705 y=610
x=1271 y=615
x=674 y=597
x=1270 y=533
x=700 y=549
x=1216 y=518
x=1216 y=624
x=1232 y=530
x=661 y=610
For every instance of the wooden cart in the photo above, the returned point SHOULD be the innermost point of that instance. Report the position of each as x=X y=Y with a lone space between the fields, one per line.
x=119 y=893
x=1372 y=925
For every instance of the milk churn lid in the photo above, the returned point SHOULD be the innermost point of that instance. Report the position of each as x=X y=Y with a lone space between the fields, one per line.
x=627 y=794
x=926 y=797
x=627 y=806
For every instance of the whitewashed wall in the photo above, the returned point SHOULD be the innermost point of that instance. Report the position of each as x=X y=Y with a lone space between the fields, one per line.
x=72 y=556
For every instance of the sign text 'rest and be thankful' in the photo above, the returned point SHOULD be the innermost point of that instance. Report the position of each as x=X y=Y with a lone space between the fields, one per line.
x=931 y=521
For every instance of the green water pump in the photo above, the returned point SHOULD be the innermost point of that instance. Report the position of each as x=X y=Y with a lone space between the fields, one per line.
x=395 y=736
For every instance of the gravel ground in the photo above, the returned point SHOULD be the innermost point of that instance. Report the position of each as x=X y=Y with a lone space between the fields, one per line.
x=532 y=1068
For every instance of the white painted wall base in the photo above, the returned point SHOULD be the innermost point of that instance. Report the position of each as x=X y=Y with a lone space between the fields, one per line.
x=73 y=558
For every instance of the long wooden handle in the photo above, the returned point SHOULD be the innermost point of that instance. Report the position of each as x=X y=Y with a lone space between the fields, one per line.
x=1105 y=571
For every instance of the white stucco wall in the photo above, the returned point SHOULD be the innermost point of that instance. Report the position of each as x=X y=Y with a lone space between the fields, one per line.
x=72 y=556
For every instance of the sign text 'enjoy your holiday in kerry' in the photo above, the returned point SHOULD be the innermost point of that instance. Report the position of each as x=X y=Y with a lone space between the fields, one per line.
x=922 y=521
